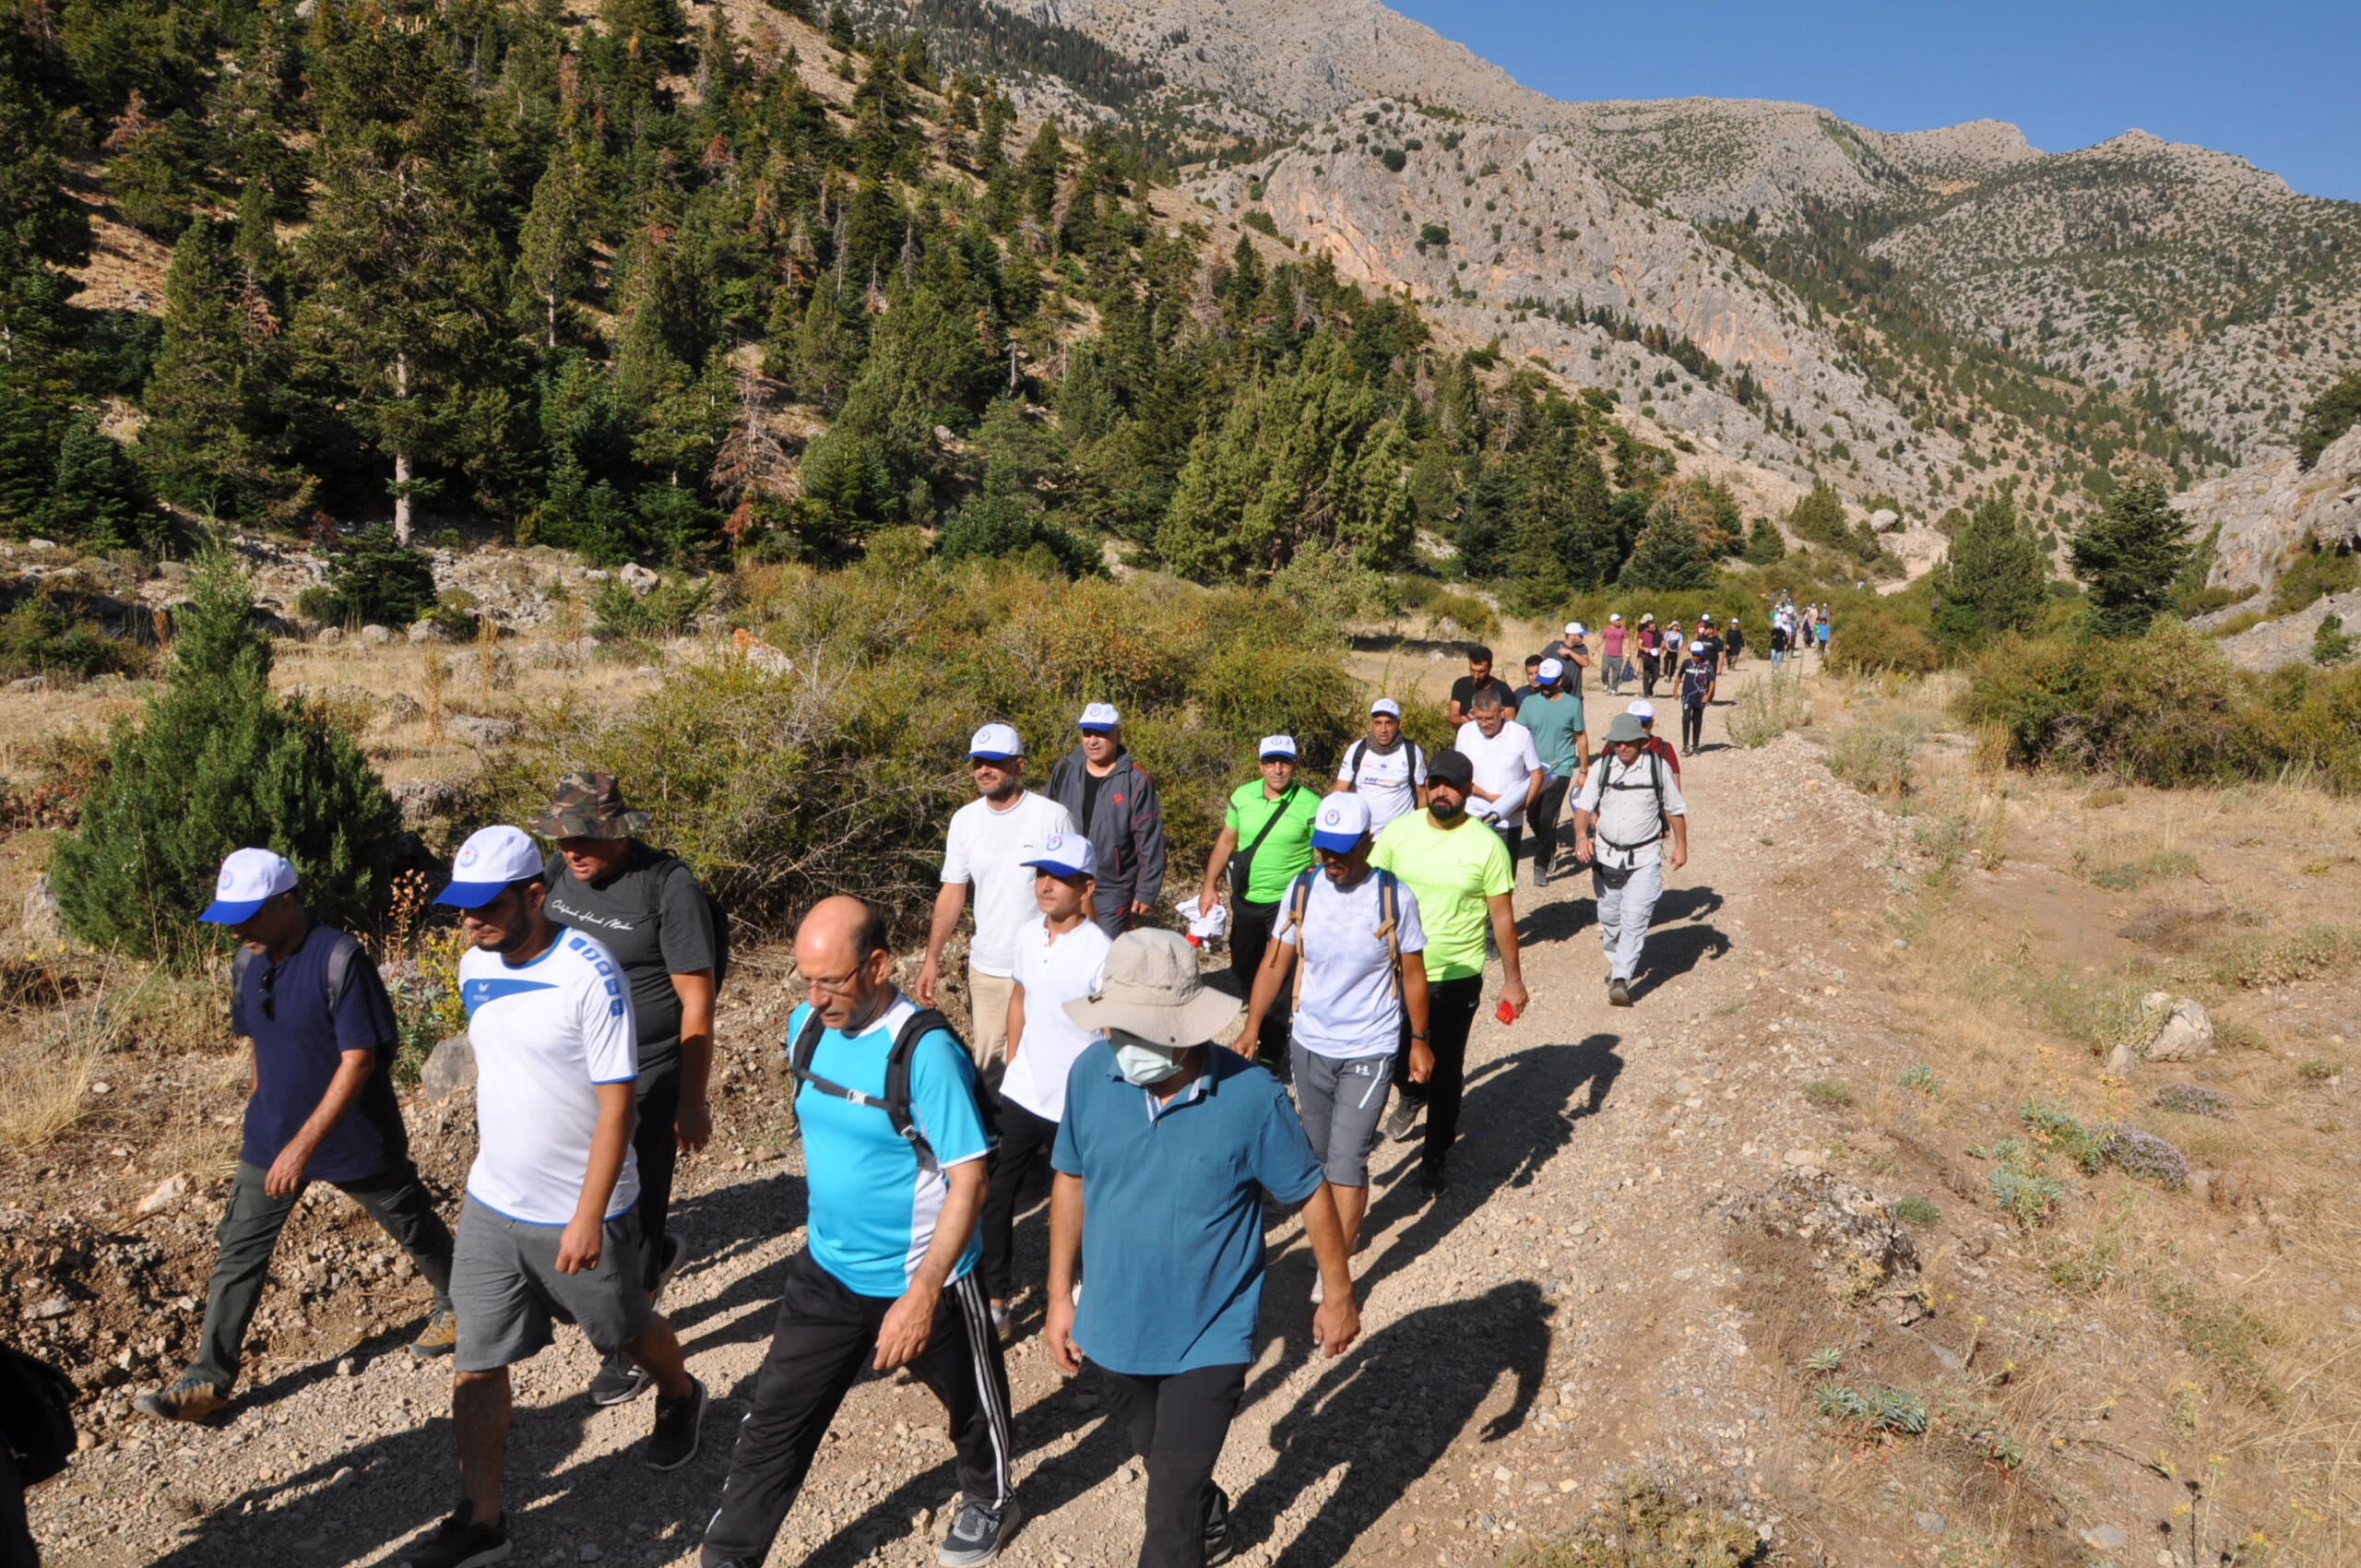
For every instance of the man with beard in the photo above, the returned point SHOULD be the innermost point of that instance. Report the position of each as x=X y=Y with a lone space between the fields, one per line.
x=1112 y=800
x=991 y=839
x=1383 y=769
x=1460 y=872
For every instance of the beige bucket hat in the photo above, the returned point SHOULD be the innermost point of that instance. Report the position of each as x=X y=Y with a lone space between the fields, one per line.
x=1152 y=990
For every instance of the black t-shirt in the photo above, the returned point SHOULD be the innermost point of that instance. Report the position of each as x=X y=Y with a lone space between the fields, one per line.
x=1463 y=690
x=1090 y=782
x=298 y=1047
x=653 y=918
x=1708 y=648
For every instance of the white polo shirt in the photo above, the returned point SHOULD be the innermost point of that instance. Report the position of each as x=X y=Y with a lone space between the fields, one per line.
x=1504 y=765
x=546 y=1034
x=989 y=849
x=1053 y=972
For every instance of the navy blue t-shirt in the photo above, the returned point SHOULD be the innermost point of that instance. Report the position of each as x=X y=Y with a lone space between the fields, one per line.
x=298 y=1047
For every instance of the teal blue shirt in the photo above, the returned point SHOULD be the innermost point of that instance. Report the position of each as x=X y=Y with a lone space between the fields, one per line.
x=1172 y=1208
x=1554 y=726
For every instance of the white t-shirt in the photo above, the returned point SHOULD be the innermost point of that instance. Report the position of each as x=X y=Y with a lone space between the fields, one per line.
x=546 y=1034
x=1388 y=781
x=990 y=847
x=1053 y=972
x=1347 y=1010
x=1504 y=765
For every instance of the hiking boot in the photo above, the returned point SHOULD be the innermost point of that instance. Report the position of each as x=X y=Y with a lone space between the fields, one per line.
x=678 y=1422
x=459 y=1542
x=1219 y=1548
x=439 y=1338
x=1619 y=993
x=977 y=1533
x=1431 y=1185
x=191 y=1399
x=621 y=1380
x=1540 y=872
x=1402 y=1122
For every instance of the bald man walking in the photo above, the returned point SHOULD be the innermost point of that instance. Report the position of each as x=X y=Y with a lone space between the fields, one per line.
x=888 y=1278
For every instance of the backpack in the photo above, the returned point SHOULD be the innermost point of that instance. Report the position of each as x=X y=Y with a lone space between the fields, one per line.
x=1389 y=906
x=1361 y=750
x=36 y=1415
x=1616 y=878
x=338 y=974
x=896 y=1101
x=717 y=915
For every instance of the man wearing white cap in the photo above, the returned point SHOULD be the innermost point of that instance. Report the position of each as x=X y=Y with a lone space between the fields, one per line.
x=1572 y=651
x=992 y=837
x=1384 y=768
x=1645 y=712
x=1265 y=841
x=1112 y=800
x=548 y=1231
x=1361 y=990
x=320 y=1107
x=1060 y=957
x=1169 y=1147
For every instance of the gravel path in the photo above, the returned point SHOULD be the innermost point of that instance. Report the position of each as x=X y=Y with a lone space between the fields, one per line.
x=1569 y=1308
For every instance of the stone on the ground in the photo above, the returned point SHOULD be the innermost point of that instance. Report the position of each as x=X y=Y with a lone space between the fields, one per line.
x=427 y=632
x=638 y=578
x=2182 y=1031
x=421 y=800
x=1885 y=519
x=163 y=1195
x=329 y=634
x=38 y=920
x=450 y=1067
x=376 y=636
x=481 y=732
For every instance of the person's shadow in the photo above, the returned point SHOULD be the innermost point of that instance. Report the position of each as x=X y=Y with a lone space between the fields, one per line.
x=1391 y=1409
x=1686 y=903
x=1673 y=952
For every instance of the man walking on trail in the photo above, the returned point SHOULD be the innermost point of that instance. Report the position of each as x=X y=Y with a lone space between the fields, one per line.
x=1696 y=690
x=886 y=1277
x=1707 y=644
x=1651 y=655
x=1112 y=801
x=320 y=1107
x=1360 y=983
x=1572 y=651
x=1630 y=804
x=548 y=1230
x=1386 y=769
x=1479 y=677
x=1655 y=744
x=991 y=840
x=1459 y=871
x=1508 y=770
x=1169 y=1147
x=1614 y=669
x=645 y=908
x=1554 y=718
x=1060 y=958
x=1267 y=831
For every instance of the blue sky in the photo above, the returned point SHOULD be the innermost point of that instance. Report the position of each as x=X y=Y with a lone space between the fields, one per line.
x=2277 y=82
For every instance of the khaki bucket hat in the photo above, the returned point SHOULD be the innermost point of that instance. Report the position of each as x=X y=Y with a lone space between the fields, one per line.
x=1152 y=990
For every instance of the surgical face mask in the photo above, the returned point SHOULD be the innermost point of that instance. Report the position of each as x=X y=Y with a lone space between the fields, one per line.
x=1143 y=1062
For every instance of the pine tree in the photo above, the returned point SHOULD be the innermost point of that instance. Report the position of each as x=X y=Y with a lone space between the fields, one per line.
x=1765 y=544
x=553 y=249
x=208 y=393
x=217 y=762
x=100 y=499
x=1992 y=579
x=1668 y=557
x=2128 y=555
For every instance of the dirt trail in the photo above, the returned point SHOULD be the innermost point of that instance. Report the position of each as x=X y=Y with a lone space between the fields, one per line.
x=1570 y=1306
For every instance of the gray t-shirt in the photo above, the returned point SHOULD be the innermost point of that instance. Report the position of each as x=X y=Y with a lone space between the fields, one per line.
x=652 y=916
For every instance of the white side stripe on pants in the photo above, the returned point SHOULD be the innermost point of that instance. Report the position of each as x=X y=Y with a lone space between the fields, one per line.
x=977 y=1312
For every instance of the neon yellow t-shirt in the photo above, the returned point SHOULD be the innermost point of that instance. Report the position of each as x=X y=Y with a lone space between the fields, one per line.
x=1452 y=872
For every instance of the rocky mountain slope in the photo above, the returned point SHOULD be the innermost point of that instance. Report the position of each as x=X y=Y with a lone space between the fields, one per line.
x=2182 y=296
x=2266 y=511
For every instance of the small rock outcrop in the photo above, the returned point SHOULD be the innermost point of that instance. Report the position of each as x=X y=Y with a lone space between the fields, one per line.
x=1861 y=1253
x=2172 y=1028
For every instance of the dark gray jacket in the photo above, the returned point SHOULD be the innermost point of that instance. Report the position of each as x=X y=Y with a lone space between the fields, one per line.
x=1126 y=827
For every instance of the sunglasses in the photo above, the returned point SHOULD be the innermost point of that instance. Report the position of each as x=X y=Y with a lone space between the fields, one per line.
x=270 y=993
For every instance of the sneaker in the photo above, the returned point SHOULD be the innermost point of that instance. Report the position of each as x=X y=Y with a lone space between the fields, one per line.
x=1540 y=874
x=1219 y=1546
x=439 y=1338
x=190 y=1400
x=1402 y=1122
x=978 y=1533
x=459 y=1542
x=1619 y=993
x=1431 y=1185
x=1003 y=1324
x=621 y=1380
x=678 y=1422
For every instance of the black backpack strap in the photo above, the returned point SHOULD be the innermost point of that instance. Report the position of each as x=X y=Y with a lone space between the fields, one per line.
x=1353 y=763
x=341 y=957
x=917 y=1027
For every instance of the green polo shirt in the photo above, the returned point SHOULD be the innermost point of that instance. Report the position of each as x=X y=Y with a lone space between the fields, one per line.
x=1452 y=872
x=1288 y=850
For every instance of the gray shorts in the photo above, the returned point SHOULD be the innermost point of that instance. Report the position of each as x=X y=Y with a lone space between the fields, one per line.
x=506 y=1290
x=1341 y=1103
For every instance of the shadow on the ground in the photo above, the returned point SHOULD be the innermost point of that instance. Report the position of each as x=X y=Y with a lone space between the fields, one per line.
x=1673 y=952
x=1389 y=1411
x=1686 y=904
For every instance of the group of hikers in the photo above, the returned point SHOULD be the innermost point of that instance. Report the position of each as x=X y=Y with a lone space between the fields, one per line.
x=1159 y=1111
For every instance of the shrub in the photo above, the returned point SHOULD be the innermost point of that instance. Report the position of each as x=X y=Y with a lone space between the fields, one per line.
x=214 y=763
x=1655 y=1524
x=2329 y=417
x=1918 y=1212
x=1919 y=1077
x=372 y=578
x=2261 y=960
x=2331 y=644
x=2143 y=1153
x=1772 y=704
x=50 y=630
x=1434 y=234
x=1828 y=1092
x=665 y=611
x=1882 y=637
x=1877 y=756
x=2191 y=1099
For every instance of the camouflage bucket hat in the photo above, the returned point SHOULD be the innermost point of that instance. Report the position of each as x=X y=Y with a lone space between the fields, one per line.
x=589 y=805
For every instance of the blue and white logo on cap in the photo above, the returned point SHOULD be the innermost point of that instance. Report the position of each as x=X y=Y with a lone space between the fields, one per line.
x=994 y=743
x=1066 y=854
x=1098 y=716
x=1342 y=823
x=249 y=879
x=491 y=860
x=1277 y=745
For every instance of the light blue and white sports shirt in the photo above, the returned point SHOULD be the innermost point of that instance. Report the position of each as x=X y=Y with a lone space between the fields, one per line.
x=546 y=1034
x=873 y=1203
